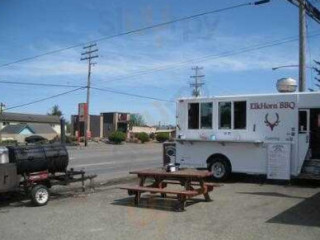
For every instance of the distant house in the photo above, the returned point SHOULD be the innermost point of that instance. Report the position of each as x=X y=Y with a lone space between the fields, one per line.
x=8 y=118
x=170 y=132
x=20 y=131
x=18 y=125
x=146 y=129
x=138 y=129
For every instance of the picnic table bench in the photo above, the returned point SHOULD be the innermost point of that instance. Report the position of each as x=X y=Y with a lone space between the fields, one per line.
x=192 y=181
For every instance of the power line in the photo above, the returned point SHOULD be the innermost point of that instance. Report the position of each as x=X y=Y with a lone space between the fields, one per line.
x=180 y=64
x=135 y=31
x=131 y=94
x=173 y=66
x=78 y=88
x=311 y=10
x=44 y=99
x=39 y=84
x=216 y=56
x=305 y=8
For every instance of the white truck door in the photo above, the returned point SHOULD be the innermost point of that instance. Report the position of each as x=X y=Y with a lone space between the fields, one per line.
x=304 y=135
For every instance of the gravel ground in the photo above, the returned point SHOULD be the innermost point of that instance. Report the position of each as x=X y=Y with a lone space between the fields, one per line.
x=241 y=209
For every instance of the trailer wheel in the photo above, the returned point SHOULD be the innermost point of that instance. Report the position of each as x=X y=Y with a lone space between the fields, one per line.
x=220 y=168
x=40 y=195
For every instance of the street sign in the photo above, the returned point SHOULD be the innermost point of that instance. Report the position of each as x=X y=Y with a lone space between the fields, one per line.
x=82 y=111
x=123 y=117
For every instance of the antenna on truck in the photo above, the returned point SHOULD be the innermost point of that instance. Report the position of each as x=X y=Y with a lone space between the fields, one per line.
x=196 y=92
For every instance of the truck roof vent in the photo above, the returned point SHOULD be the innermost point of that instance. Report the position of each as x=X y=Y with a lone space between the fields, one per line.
x=286 y=85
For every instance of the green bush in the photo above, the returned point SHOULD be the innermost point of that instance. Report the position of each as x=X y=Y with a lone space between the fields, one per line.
x=152 y=136
x=8 y=142
x=117 y=137
x=143 y=137
x=71 y=139
x=162 y=137
x=55 y=139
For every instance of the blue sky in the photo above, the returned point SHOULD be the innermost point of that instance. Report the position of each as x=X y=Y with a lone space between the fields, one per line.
x=33 y=27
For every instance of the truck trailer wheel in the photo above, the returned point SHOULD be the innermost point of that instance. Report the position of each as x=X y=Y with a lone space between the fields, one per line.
x=40 y=195
x=220 y=168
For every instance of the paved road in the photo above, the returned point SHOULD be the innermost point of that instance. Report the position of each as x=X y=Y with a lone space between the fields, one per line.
x=112 y=161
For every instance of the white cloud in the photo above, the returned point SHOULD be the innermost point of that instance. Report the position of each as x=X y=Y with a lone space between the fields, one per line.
x=132 y=58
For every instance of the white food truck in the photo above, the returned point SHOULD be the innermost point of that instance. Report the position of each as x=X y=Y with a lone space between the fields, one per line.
x=273 y=134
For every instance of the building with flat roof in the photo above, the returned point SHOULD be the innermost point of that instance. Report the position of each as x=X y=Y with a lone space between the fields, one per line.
x=114 y=121
x=102 y=125
x=77 y=127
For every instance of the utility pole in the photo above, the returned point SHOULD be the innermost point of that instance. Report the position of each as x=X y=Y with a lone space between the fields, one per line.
x=305 y=8
x=2 y=106
x=196 y=92
x=88 y=55
x=302 y=46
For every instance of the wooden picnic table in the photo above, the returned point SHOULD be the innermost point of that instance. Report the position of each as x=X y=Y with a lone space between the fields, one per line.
x=192 y=181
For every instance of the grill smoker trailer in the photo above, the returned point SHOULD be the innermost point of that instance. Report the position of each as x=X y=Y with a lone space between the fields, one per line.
x=273 y=134
x=35 y=169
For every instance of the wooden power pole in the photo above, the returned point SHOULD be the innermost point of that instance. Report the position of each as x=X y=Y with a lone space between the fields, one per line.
x=2 y=106
x=305 y=8
x=88 y=55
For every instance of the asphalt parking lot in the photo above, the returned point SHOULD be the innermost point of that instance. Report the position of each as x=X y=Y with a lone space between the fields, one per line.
x=243 y=208
x=246 y=207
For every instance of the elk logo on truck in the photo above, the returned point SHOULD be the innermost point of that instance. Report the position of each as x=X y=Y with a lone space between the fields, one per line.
x=272 y=124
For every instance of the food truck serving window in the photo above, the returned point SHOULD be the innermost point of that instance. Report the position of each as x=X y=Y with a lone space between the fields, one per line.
x=303 y=121
x=233 y=115
x=206 y=115
x=240 y=115
x=193 y=116
x=225 y=115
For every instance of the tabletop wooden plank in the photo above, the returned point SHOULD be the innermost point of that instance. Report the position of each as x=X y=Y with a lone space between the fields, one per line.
x=183 y=173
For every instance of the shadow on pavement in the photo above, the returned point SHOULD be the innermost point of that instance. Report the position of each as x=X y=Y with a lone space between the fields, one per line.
x=155 y=202
x=271 y=194
x=14 y=199
x=305 y=213
x=19 y=199
x=262 y=179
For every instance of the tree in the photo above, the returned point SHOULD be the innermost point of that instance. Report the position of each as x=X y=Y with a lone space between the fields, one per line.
x=55 y=111
x=136 y=119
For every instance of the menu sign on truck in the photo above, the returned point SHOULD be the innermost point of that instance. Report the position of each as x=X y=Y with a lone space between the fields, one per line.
x=279 y=161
